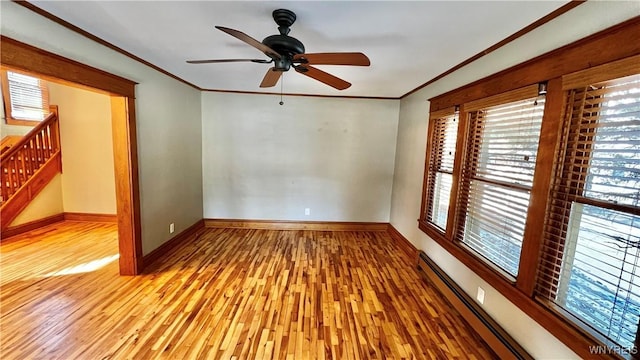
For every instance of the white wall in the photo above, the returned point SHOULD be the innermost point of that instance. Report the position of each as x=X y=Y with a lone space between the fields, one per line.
x=88 y=180
x=168 y=123
x=266 y=161
x=13 y=130
x=410 y=155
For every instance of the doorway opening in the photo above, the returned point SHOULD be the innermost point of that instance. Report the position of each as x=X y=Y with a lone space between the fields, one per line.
x=20 y=56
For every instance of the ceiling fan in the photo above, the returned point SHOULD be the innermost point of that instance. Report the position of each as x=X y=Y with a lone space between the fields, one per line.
x=285 y=52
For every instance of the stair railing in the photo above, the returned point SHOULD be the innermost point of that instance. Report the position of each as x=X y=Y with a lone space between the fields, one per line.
x=22 y=160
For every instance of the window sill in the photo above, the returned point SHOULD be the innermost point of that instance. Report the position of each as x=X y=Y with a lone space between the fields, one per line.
x=20 y=122
x=571 y=335
x=490 y=275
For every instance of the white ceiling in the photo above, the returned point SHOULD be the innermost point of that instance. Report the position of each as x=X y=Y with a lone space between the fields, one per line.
x=409 y=43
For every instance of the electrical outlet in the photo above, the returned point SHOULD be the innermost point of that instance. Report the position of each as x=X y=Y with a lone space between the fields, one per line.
x=172 y=228
x=480 y=295
x=307 y=211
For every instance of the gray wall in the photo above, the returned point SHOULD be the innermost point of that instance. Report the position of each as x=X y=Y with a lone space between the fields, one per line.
x=168 y=123
x=266 y=161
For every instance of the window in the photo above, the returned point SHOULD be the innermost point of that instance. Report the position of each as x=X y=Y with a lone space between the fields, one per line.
x=591 y=267
x=544 y=201
x=440 y=172
x=26 y=98
x=497 y=175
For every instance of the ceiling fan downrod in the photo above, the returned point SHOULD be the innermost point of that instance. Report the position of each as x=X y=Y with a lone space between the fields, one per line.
x=285 y=45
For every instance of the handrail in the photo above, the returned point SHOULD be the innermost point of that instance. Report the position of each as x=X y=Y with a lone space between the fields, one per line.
x=27 y=138
x=23 y=160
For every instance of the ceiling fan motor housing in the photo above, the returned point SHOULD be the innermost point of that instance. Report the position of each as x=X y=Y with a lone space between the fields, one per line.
x=282 y=43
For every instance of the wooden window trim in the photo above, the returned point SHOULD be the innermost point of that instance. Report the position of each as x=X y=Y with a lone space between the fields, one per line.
x=615 y=69
x=426 y=226
x=426 y=193
x=424 y=209
x=579 y=135
x=600 y=49
x=614 y=43
x=525 y=92
x=549 y=132
x=468 y=174
x=6 y=99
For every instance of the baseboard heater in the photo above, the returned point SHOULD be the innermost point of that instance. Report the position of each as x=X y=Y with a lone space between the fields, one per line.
x=491 y=332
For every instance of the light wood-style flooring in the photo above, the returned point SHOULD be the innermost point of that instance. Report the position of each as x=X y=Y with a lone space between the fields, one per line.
x=224 y=294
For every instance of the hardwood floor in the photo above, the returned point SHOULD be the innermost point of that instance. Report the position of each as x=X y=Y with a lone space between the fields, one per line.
x=229 y=293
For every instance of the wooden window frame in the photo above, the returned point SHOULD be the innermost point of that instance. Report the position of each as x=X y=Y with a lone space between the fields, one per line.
x=570 y=181
x=568 y=62
x=430 y=172
x=460 y=204
x=6 y=98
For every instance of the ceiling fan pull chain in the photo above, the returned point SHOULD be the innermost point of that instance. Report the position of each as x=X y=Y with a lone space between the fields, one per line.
x=281 y=87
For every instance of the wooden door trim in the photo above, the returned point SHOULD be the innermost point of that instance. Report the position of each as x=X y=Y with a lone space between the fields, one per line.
x=18 y=55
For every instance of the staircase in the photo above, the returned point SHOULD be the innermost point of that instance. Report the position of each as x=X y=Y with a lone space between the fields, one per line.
x=27 y=167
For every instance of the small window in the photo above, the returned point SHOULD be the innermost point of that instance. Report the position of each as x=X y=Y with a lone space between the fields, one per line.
x=26 y=98
x=440 y=172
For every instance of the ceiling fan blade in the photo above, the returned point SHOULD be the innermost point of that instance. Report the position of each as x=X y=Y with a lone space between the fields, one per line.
x=322 y=76
x=340 y=58
x=251 y=41
x=260 y=61
x=271 y=78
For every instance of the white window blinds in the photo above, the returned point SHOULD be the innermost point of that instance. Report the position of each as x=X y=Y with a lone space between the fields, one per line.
x=28 y=97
